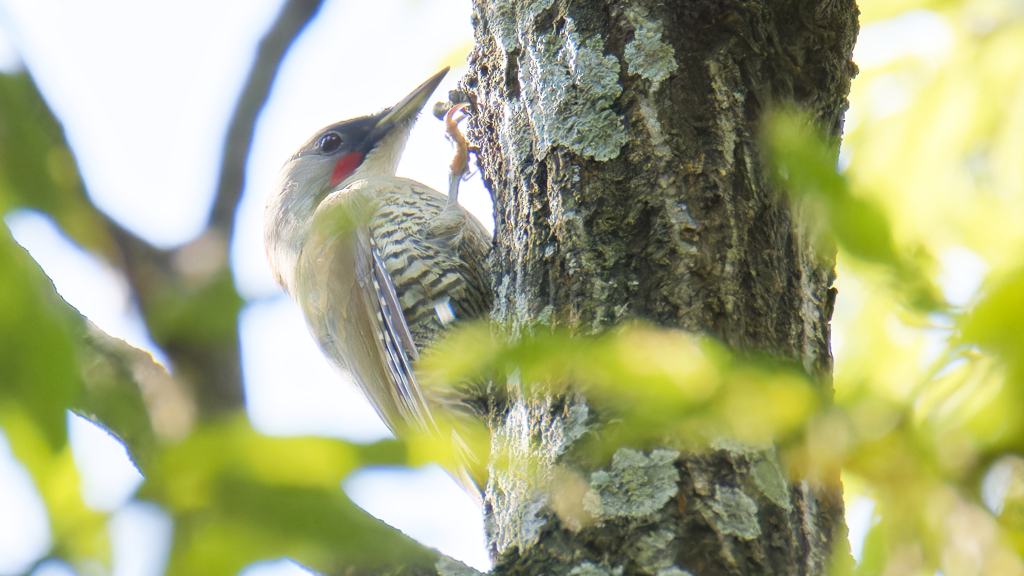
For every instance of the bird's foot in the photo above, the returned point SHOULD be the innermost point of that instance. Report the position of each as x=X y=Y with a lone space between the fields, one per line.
x=460 y=164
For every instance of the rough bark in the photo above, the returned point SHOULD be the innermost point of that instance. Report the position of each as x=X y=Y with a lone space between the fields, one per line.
x=620 y=143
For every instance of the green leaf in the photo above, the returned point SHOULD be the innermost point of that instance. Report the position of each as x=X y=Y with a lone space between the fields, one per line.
x=862 y=229
x=996 y=323
x=317 y=527
x=39 y=367
x=37 y=169
x=79 y=533
x=184 y=477
x=114 y=375
x=805 y=166
x=238 y=497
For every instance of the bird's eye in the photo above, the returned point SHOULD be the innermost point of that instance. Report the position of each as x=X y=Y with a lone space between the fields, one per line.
x=329 y=143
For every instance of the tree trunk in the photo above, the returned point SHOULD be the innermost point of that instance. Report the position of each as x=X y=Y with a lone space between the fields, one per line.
x=620 y=142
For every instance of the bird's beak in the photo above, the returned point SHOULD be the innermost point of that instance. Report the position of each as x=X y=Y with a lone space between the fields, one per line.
x=410 y=106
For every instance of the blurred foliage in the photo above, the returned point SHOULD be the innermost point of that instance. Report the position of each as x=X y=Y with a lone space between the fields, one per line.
x=928 y=418
x=930 y=314
x=806 y=167
x=236 y=496
x=37 y=169
x=38 y=346
x=656 y=386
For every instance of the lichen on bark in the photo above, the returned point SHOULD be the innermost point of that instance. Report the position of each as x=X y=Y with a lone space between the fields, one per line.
x=646 y=54
x=636 y=484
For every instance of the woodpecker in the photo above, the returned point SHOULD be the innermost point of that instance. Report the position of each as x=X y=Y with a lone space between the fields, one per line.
x=379 y=265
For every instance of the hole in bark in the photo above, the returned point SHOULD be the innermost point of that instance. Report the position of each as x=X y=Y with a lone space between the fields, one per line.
x=540 y=180
x=512 y=86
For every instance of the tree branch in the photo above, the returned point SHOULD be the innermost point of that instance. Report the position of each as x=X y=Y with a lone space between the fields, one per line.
x=293 y=18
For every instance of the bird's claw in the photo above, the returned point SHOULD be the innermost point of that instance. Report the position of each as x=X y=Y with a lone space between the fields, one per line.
x=455 y=97
x=460 y=164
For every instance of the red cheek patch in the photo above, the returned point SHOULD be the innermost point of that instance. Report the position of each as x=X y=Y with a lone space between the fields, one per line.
x=346 y=165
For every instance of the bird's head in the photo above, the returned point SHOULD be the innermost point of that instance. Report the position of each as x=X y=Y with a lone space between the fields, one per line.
x=331 y=159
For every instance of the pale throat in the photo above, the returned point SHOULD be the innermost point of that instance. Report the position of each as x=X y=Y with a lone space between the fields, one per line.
x=383 y=159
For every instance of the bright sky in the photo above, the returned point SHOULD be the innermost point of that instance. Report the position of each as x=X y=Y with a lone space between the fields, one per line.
x=144 y=90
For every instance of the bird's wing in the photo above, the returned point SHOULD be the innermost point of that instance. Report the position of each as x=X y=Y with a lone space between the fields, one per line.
x=388 y=299
x=395 y=343
x=435 y=257
x=352 y=310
